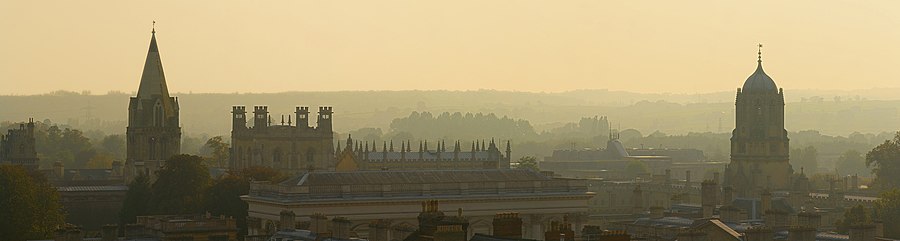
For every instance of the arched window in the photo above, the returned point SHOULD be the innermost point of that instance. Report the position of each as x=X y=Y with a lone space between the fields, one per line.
x=310 y=157
x=276 y=158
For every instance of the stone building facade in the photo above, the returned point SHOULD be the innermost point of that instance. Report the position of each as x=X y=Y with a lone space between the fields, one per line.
x=357 y=156
x=153 y=132
x=759 y=142
x=290 y=147
x=17 y=147
x=366 y=196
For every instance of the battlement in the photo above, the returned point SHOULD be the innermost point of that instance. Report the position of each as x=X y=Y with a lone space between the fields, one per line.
x=302 y=109
x=262 y=108
x=238 y=109
x=325 y=109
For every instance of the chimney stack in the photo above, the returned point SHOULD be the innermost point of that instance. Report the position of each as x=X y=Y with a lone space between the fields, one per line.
x=508 y=225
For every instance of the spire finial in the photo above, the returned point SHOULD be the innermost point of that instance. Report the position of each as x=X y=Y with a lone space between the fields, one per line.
x=759 y=54
x=154 y=27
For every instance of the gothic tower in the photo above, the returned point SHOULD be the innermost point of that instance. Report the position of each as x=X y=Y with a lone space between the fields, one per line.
x=153 y=130
x=759 y=142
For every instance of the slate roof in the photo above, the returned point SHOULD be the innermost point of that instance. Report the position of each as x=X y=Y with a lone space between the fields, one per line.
x=759 y=82
x=93 y=188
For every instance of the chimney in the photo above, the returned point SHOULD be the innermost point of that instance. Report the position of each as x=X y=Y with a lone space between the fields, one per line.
x=708 y=197
x=508 y=225
x=559 y=232
x=287 y=220
x=340 y=228
x=109 y=233
x=318 y=223
x=379 y=230
x=862 y=232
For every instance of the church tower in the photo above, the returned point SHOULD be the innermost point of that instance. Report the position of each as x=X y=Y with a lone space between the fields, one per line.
x=759 y=142
x=153 y=133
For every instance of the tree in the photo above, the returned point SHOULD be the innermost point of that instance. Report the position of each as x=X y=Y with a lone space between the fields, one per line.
x=805 y=158
x=216 y=150
x=114 y=144
x=853 y=216
x=528 y=162
x=180 y=186
x=851 y=162
x=884 y=160
x=29 y=205
x=224 y=196
x=137 y=200
x=888 y=210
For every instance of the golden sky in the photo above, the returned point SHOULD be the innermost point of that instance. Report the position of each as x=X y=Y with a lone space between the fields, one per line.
x=523 y=45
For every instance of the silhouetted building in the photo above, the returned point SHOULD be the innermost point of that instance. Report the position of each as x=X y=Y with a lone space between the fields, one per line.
x=367 y=196
x=286 y=146
x=759 y=142
x=358 y=156
x=17 y=147
x=153 y=133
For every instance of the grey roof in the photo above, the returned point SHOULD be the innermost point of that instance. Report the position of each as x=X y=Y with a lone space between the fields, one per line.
x=759 y=82
x=92 y=188
x=413 y=177
x=153 y=80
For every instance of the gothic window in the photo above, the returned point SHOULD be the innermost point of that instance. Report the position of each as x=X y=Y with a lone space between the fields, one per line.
x=310 y=156
x=158 y=115
x=276 y=158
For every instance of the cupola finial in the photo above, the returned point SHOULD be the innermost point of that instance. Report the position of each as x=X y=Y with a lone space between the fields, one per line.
x=154 y=27
x=759 y=54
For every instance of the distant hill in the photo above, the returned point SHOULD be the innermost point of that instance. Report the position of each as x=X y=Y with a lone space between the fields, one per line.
x=870 y=111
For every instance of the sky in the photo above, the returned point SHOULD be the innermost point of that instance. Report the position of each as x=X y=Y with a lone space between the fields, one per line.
x=519 y=45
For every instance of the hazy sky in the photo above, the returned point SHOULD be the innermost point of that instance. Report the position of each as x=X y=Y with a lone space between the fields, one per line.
x=525 y=45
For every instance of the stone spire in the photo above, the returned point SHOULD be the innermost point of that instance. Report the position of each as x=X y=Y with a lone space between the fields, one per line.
x=153 y=80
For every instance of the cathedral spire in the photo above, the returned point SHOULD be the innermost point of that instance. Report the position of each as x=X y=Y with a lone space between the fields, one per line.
x=153 y=79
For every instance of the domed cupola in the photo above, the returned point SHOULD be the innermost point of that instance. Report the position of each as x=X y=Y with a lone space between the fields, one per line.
x=759 y=81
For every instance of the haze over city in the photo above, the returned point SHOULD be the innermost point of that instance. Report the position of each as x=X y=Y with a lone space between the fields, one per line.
x=401 y=120
x=278 y=46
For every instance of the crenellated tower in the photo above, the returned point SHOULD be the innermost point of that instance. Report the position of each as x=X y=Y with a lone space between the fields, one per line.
x=759 y=142
x=288 y=146
x=153 y=132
